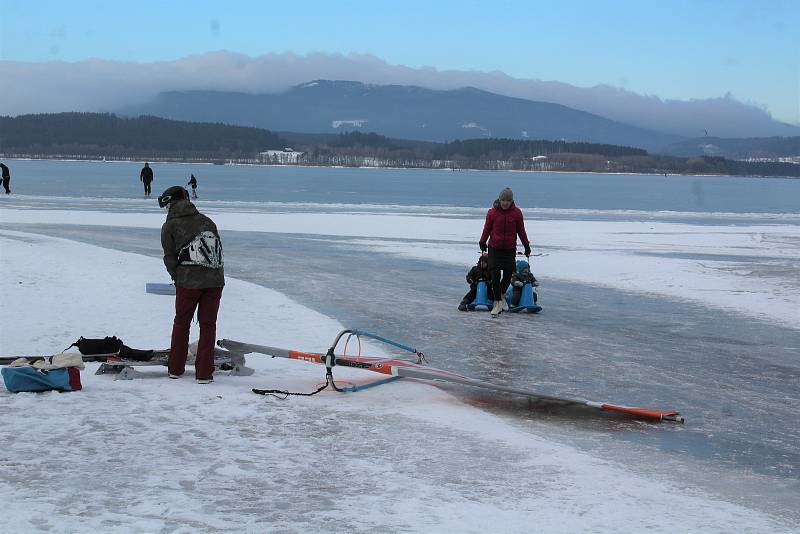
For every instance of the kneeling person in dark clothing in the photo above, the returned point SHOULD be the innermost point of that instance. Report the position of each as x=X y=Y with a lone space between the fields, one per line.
x=193 y=258
x=478 y=272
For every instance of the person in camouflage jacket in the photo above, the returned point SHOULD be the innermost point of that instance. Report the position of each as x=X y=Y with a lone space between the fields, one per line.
x=193 y=258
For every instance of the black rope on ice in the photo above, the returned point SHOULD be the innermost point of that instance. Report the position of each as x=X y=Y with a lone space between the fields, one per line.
x=283 y=394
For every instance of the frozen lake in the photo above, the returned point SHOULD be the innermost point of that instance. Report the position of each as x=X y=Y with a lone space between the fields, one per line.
x=409 y=187
x=675 y=292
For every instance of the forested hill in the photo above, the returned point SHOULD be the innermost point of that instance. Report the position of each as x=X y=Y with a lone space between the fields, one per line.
x=104 y=133
x=97 y=136
x=511 y=148
x=475 y=149
x=754 y=147
x=399 y=111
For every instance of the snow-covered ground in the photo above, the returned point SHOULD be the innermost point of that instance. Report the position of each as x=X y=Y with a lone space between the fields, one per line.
x=156 y=455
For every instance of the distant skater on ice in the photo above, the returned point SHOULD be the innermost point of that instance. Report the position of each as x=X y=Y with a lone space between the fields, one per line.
x=6 y=178
x=193 y=182
x=146 y=177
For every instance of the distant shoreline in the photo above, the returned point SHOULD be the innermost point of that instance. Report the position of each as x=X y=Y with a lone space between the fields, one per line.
x=247 y=164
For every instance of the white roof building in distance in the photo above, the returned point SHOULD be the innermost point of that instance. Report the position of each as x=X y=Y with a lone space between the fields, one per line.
x=286 y=156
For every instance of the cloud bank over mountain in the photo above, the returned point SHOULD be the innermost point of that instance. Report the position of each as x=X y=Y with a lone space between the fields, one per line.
x=101 y=85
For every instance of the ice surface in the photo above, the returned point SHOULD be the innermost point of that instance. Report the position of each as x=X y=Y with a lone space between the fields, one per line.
x=749 y=268
x=160 y=455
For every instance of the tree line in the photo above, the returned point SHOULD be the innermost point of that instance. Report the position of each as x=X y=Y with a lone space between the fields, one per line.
x=104 y=134
x=359 y=149
x=100 y=135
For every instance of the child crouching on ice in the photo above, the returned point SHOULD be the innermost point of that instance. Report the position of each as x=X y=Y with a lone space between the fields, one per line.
x=478 y=272
x=521 y=276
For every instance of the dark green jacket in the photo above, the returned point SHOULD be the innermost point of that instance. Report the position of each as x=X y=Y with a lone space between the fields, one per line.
x=183 y=223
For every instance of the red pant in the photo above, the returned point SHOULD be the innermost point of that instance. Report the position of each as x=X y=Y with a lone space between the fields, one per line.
x=207 y=303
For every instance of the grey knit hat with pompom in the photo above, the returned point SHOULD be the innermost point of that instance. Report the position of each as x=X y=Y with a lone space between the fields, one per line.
x=506 y=194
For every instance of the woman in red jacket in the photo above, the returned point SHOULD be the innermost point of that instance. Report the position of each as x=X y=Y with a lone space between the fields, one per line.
x=503 y=224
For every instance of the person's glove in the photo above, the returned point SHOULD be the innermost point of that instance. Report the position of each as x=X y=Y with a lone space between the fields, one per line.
x=482 y=246
x=518 y=284
x=527 y=250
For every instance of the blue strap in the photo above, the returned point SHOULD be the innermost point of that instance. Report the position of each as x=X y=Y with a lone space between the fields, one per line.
x=383 y=339
x=352 y=389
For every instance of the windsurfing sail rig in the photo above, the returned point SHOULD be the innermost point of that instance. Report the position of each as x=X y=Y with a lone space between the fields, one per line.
x=407 y=369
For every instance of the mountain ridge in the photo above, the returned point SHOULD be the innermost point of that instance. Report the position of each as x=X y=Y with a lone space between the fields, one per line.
x=400 y=111
x=106 y=85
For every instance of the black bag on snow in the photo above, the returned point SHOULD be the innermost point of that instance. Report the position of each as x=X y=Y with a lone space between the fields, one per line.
x=89 y=346
x=137 y=355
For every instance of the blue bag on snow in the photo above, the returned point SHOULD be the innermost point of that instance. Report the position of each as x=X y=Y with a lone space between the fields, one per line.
x=23 y=379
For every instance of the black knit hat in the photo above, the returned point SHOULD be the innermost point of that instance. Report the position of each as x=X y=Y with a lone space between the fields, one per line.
x=172 y=194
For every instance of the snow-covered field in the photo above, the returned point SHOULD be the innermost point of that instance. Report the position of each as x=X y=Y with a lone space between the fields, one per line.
x=155 y=455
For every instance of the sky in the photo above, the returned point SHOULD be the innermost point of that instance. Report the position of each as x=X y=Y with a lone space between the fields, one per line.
x=675 y=50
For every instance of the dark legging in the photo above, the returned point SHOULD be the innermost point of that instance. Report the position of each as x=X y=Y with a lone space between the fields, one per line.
x=501 y=259
x=206 y=301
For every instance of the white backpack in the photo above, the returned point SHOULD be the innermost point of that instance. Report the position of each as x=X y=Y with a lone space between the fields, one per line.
x=205 y=250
